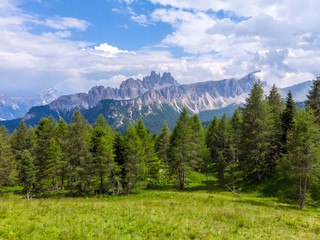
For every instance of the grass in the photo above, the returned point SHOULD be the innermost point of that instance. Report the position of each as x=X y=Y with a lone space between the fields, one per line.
x=152 y=214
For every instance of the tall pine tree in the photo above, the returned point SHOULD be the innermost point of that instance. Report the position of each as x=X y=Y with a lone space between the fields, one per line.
x=256 y=134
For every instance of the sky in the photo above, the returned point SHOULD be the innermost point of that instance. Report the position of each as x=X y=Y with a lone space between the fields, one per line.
x=73 y=45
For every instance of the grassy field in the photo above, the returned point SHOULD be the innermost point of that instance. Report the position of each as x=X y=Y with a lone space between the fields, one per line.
x=158 y=215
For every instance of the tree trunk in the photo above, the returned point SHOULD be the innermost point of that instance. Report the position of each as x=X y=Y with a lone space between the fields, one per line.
x=79 y=189
x=258 y=175
x=62 y=182
x=28 y=197
x=182 y=176
x=101 y=183
x=303 y=194
x=300 y=192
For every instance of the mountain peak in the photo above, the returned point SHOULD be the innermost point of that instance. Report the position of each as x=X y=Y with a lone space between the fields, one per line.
x=156 y=81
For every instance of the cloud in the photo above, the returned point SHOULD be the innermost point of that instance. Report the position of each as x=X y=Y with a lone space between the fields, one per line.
x=141 y=20
x=63 y=23
x=107 y=50
x=271 y=37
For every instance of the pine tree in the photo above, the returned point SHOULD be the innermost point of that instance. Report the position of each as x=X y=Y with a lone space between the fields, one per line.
x=26 y=171
x=102 y=151
x=162 y=146
x=198 y=138
x=7 y=163
x=302 y=161
x=151 y=160
x=256 y=133
x=45 y=131
x=80 y=163
x=276 y=106
x=134 y=165
x=21 y=140
x=181 y=153
x=53 y=164
x=119 y=158
x=61 y=136
x=314 y=98
x=287 y=118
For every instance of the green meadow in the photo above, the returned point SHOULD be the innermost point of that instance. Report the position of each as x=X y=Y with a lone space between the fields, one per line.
x=156 y=214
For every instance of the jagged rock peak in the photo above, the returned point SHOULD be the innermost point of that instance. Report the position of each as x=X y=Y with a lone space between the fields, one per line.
x=156 y=81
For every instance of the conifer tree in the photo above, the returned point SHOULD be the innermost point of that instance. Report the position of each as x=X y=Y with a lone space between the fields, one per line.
x=21 y=140
x=198 y=139
x=7 y=163
x=80 y=173
x=26 y=171
x=256 y=133
x=45 y=131
x=54 y=161
x=151 y=160
x=119 y=158
x=163 y=143
x=134 y=165
x=181 y=153
x=276 y=107
x=287 y=118
x=61 y=136
x=302 y=161
x=313 y=100
x=102 y=151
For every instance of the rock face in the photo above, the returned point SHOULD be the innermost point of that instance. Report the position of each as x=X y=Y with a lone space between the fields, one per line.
x=155 y=99
x=11 y=108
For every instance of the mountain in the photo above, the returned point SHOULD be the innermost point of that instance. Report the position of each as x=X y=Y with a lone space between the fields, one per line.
x=155 y=99
x=299 y=91
x=12 y=108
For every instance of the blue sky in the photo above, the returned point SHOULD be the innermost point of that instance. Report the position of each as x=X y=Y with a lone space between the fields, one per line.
x=72 y=45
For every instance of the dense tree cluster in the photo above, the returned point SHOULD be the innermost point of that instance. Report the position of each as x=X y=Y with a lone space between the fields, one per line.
x=267 y=138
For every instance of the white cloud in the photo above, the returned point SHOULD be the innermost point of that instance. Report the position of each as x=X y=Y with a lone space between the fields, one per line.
x=141 y=20
x=107 y=50
x=62 y=23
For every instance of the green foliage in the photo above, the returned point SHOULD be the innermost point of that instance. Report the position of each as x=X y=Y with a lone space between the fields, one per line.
x=80 y=162
x=163 y=143
x=287 y=118
x=314 y=98
x=256 y=134
x=134 y=164
x=26 y=171
x=102 y=153
x=302 y=159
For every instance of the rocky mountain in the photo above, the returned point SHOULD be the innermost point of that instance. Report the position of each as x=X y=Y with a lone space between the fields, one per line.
x=155 y=99
x=11 y=108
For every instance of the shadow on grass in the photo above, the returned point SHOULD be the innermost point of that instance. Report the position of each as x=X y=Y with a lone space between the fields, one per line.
x=277 y=204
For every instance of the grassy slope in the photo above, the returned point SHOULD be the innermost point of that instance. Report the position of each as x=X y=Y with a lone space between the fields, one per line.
x=158 y=215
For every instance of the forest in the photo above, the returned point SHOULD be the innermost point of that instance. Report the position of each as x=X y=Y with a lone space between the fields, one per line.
x=267 y=141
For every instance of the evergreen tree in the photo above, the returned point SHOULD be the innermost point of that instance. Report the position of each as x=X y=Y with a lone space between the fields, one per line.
x=7 y=163
x=119 y=158
x=313 y=100
x=198 y=139
x=80 y=163
x=181 y=153
x=276 y=107
x=151 y=160
x=134 y=165
x=45 y=131
x=53 y=162
x=162 y=145
x=102 y=151
x=256 y=133
x=235 y=148
x=302 y=161
x=21 y=140
x=26 y=171
x=61 y=136
x=287 y=118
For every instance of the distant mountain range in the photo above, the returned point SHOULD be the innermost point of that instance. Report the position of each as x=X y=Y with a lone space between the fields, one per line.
x=155 y=99
x=12 y=108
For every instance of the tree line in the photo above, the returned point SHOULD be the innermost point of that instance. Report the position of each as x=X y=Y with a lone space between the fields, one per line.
x=266 y=139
